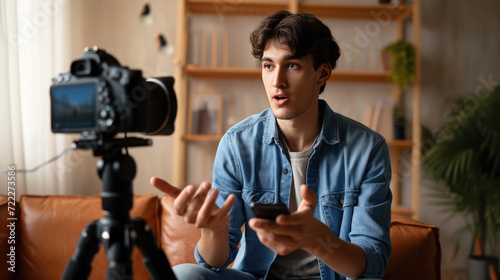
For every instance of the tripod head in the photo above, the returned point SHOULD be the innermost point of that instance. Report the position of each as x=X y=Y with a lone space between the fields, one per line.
x=107 y=144
x=117 y=170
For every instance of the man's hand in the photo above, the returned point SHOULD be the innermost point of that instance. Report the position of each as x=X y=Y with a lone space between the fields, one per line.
x=290 y=232
x=301 y=230
x=197 y=206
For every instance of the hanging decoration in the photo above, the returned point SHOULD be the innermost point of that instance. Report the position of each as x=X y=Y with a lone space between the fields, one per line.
x=149 y=18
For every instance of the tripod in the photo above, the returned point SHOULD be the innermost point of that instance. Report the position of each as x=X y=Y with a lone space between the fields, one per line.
x=116 y=231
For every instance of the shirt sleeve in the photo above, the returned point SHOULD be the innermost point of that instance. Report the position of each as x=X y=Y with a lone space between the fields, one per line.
x=372 y=214
x=226 y=178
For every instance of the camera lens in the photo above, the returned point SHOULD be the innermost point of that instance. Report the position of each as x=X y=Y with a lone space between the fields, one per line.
x=163 y=106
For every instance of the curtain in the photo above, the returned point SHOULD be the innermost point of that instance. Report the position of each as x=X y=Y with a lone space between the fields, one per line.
x=34 y=48
x=10 y=116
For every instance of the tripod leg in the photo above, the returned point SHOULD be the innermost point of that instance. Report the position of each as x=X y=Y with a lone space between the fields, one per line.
x=118 y=245
x=153 y=257
x=78 y=266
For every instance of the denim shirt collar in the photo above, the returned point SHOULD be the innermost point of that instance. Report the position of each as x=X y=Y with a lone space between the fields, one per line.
x=329 y=131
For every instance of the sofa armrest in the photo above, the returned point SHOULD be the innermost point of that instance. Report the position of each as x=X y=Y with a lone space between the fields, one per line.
x=416 y=251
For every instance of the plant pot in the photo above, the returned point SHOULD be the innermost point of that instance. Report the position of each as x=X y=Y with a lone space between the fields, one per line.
x=399 y=128
x=479 y=267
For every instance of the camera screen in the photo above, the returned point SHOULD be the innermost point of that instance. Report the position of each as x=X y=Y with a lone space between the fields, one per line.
x=73 y=107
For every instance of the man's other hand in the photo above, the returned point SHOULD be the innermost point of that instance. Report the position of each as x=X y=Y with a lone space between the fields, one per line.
x=197 y=206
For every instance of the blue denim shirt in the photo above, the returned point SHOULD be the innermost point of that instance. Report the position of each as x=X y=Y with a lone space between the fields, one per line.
x=349 y=171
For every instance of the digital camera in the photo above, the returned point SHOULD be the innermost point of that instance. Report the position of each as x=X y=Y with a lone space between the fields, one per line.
x=98 y=95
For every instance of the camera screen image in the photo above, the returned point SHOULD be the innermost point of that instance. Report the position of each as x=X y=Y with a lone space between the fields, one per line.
x=73 y=107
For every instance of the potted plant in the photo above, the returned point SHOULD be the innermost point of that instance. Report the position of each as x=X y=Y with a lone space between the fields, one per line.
x=465 y=159
x=403 y=73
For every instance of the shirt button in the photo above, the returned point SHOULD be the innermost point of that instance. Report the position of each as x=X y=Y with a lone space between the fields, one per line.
x=341 y=201
x=285 y=171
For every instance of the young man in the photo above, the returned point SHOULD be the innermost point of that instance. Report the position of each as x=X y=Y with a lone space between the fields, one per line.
x=332 y=172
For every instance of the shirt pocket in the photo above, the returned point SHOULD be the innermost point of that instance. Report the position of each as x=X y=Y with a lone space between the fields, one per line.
x=333 y=205
x=260 y=196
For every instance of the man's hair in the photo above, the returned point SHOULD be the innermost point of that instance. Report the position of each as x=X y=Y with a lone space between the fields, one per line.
x=303 y=33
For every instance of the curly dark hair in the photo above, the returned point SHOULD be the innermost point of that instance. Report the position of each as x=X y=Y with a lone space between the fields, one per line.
x=303 y=33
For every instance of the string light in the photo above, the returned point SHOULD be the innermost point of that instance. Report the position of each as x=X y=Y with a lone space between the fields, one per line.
x=161 y=42
x=145 y=10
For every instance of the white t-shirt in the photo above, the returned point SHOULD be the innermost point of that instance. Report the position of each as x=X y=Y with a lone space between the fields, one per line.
x=299 y=264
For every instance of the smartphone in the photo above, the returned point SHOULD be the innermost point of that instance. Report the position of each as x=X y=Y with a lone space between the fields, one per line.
x=269 y=211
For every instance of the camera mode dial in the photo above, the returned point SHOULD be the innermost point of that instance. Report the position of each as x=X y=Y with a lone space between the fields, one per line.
x=119 y=75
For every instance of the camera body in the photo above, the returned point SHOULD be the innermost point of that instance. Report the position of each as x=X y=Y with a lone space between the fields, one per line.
x=98 y=95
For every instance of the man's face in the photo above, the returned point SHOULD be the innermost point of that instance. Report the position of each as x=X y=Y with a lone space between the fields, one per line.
x=291 y=83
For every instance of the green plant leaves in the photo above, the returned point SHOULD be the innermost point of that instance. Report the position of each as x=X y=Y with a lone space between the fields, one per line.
x=403 y=69
x=466 y=159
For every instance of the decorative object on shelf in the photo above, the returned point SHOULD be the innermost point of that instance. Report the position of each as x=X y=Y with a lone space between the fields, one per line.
x=214 y=49
x=379 y=118
x=403 y=73
x=466 y=160
x=205 y=114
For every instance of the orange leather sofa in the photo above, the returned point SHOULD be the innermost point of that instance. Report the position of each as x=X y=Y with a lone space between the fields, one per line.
x=47 y=229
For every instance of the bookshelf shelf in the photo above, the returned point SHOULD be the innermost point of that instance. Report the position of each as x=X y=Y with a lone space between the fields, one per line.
x=400 y=144
x=261 y=8
x=356 y=11
x=320 y=9
x=193 y=137
x=255 y=73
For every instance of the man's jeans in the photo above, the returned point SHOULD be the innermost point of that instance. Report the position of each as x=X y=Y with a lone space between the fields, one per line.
x=197 y=272
x=190 y=271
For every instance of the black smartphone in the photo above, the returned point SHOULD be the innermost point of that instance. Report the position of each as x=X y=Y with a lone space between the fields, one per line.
x=269 y=211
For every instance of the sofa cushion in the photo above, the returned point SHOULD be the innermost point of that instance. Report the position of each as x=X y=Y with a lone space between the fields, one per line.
x=51 y=225
x=178 y=238
x=416 y=251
